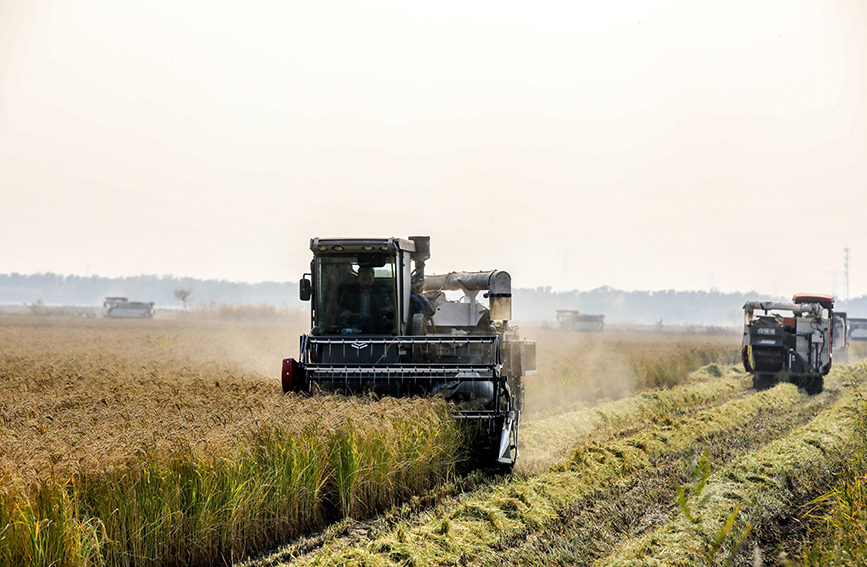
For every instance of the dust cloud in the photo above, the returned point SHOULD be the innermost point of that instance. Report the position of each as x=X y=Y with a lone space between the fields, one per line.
x=576 y=370
x=251 y=339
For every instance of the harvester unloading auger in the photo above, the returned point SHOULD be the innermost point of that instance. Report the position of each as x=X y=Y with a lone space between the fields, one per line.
x=381 y=326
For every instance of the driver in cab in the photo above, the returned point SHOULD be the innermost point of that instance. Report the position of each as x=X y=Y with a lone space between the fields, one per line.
x=365 y=305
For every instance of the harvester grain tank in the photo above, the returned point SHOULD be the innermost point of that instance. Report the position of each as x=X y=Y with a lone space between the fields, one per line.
x=123 y=308
x=789 y=342
x=380 y=325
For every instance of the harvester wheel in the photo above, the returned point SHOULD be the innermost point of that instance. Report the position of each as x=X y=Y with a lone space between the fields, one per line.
x=504 y=469
x=762 y=381
x=814 y=385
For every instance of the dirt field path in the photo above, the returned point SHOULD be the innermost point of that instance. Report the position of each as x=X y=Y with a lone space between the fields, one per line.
x=599 y=486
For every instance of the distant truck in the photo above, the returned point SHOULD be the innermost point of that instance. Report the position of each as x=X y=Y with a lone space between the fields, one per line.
x=123 y=308
x=857 y=329
x=571 y=320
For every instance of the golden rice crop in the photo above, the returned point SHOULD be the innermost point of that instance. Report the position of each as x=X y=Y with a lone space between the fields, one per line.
x=169 y=441
x=857 y=350
x=129 y=442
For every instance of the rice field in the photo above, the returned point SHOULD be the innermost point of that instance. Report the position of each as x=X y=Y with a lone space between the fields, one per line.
x=614 y=499
x=144 y=442
x=576 y=369
x=169 y=442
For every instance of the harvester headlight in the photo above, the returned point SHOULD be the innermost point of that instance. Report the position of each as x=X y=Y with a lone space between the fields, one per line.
x=337 y=248
x=323 y=248
x=384 y=248
x=367 y=248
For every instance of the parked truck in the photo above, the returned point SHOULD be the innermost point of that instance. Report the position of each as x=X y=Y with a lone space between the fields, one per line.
x=572 y=320
x=381 y=325
x=123 y=308
x=857 y=329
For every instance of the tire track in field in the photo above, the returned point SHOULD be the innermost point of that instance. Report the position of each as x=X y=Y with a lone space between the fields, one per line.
x=594 y=526
x=767 y=485
x=541 y=441
x=548 y=441
x=486 y=522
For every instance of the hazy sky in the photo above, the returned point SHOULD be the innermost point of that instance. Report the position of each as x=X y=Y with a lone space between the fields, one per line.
x=642 y=145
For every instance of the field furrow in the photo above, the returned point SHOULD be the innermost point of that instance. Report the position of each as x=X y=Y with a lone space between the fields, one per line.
x=593 y=527
x=543 y=441
x=547 y=441
x=767 y=485
x=482 y=526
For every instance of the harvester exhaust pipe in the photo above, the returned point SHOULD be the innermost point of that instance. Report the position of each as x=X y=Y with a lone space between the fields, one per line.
x=419 y=257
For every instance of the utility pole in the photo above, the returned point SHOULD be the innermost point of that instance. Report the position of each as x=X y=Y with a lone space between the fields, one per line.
x=846 y=269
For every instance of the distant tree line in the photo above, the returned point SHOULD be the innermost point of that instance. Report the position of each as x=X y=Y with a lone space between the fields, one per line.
x=55 y=289
x=650 y=307
x=539 y=304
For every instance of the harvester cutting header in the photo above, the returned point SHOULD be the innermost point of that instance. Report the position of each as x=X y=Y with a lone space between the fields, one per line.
x=380 y=325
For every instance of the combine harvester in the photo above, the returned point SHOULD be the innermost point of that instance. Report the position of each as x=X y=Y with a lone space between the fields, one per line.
x=382 y=327
x=123 y=308
x=796 y=346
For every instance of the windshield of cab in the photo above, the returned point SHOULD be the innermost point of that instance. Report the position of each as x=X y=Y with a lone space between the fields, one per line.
x=355 y=293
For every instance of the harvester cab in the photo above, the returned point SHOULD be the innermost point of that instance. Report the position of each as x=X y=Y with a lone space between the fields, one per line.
x=789 y=342
x=380 y=325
